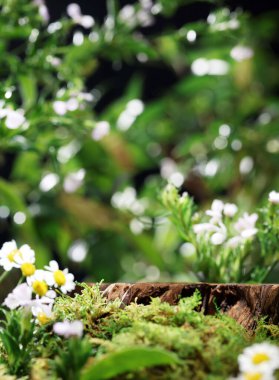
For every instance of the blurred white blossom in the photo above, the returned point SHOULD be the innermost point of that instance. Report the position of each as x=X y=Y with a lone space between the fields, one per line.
x=73 y=181
x=68 y=329
x=74 y=12
x=203 y=66
x=102 y=128
x=240 y=53
x=43 y=10
x=230 y=209
x=13 y=119
x=246 y=225
x=273 y=197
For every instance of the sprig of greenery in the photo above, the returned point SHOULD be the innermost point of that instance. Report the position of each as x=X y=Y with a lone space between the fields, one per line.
x=71 y=358
x=17 y=337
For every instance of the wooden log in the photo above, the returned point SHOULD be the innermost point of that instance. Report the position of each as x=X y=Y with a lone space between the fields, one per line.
x=243 y=302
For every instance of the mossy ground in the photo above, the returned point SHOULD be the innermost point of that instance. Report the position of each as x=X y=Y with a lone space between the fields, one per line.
x=207 y=346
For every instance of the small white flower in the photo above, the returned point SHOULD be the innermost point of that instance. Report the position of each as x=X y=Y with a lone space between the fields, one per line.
x=68 y=329
x=74 y=11
x=60 y=107
x=101 y=129
x=87 y=96
x=254 y=375
x=43 y=312
x=273 y=197
x=20 y=296
x=220 y=236
x=262 y=357
x=72 y=104
x=59 y=278
x=14 y=119
x=240 y=53
x=43 y=11
x=245 y=225
x=216 y=211
x=7 y=255
x=201 y=228
x=230 y=209
x=87 y=21
x=234 y=242
x=73 y=181
x=40 y=282
x=25 y=259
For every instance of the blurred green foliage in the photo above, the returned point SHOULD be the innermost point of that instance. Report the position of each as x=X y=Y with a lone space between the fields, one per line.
x=83 y=186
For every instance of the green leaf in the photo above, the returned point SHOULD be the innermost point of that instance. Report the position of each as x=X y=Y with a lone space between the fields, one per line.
x=28 y=90
x=128 y=359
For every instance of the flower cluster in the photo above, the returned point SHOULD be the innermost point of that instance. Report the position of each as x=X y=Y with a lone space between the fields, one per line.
x=258 y=362
x=70 y=102
x=38 y=291
x=226 y=245
x=217 y=228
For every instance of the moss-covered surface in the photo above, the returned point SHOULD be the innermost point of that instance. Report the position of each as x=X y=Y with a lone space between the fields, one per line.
x=207 y=346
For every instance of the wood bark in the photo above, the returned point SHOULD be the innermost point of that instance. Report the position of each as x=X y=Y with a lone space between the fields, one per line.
x=245 y=303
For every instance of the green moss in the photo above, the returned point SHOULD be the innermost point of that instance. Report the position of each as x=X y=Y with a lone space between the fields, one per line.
x=207 y=345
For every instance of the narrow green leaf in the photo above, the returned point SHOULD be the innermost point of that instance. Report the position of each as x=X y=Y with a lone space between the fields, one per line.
x=128 y=359
x=28 y=90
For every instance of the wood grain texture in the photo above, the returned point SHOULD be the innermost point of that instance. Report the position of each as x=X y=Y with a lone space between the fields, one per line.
x=245 y=303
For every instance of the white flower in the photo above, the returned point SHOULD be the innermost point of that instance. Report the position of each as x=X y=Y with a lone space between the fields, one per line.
x=245 y=225
x=220 y=236
x=43 y=312
x=40 y=282
x=25 y=259
x=101 y=129
x=20 y=296
x=72 y=104
x=230 y=209
x=87 y=21
x=219 y=231
x=74 y=11
x=216 y=211
x=68 y=329
x=73 y=181
x=59 y=278
x=273 y=197
x=240 y=53
x=201 y=228
x=60 y=107
x=234 y=241
x=255 y=375
x=43 y=11
x=14 y=119
x=262 y=357
x=7 y=255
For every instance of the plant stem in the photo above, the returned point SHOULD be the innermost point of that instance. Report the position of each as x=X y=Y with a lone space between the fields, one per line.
x=3 y=275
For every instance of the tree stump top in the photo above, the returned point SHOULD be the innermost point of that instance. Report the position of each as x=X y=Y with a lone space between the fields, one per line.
x=244 y=302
